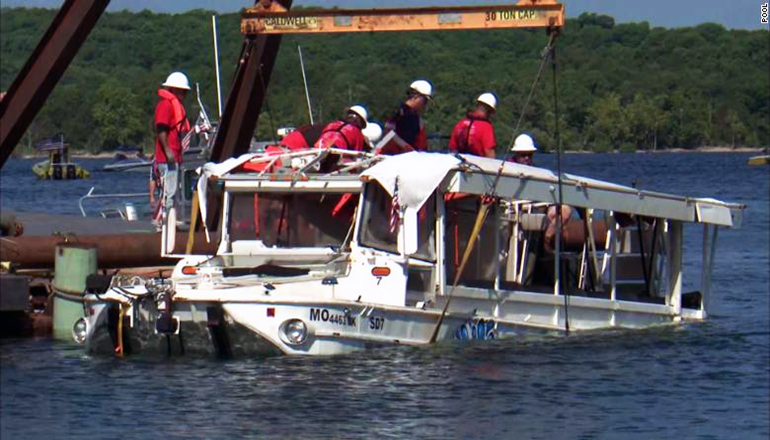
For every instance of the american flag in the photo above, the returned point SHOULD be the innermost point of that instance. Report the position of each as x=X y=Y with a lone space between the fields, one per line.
x=395 y=210
x=186 y=140
x=202 y=125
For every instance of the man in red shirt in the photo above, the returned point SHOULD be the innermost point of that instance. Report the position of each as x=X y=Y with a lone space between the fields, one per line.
x=172 y=126
x=303 y=138
x=407 y=121
x=475 y=134
x=345 y=133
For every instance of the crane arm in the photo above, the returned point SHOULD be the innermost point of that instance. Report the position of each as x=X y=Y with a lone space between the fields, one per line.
x=526 y=14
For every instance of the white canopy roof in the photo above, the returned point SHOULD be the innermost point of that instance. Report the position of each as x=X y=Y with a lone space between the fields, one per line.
x=419 y=174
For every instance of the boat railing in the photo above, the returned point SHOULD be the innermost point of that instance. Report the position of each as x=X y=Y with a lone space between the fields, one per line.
x=90 y=196
x=303 y=165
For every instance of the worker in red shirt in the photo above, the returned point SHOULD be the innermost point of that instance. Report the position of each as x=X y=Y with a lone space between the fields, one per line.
x=303 y=138
x=346 y=133
x=475 y=134
x=407 y=121
x=172 y=126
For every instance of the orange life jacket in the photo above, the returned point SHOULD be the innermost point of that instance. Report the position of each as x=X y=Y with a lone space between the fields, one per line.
x=181 y=124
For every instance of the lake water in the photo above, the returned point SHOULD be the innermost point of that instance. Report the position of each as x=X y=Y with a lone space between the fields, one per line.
x=707 y=380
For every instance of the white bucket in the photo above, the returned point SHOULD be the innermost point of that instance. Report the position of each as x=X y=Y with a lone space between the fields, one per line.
x=131 y=214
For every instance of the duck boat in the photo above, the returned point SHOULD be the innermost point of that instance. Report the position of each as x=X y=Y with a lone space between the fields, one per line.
x=392 y=250
x=59 y=165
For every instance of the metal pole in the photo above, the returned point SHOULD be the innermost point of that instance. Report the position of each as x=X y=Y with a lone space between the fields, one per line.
x=559 y=201
x=706 y=300
x=216 y=65
x=304 y=79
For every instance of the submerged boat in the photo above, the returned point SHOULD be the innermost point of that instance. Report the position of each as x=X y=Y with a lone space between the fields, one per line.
x=393 y=251
x=58 y=166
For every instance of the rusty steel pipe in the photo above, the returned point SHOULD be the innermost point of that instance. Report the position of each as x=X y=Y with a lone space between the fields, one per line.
x=113 y=251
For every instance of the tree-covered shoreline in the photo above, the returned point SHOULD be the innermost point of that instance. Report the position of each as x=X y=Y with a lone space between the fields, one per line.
x=621 y=86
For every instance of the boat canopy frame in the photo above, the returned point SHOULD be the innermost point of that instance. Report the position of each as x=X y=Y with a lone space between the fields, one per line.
x=521 y=182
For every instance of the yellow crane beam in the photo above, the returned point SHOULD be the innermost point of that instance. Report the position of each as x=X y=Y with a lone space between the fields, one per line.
x=526 y=14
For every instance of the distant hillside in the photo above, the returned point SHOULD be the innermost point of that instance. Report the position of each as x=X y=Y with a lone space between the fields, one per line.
x=624 y=86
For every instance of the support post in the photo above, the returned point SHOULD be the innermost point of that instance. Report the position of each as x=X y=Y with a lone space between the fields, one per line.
x=498 y=255
x=513 y=246
x=613 y=245
x=709 y=251
x=592 y=247
x=675 y=267
x=441 y=256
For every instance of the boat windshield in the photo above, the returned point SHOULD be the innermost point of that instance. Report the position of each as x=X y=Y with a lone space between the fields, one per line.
x=375 y=222
x=288 y=220
x=376 y=231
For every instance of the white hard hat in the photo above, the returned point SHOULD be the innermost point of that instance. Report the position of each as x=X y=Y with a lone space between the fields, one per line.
x=488 y=99
x=372 y=132
x=360 y=111
x=285 y=131
x=422 y=87
x=523 y=144
x=177 y=80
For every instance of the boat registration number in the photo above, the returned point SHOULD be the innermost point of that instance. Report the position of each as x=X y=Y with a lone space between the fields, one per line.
x=324 y=315
x=376 y=323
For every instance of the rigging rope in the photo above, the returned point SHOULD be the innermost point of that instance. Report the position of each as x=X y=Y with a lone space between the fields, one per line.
x=543 y=59
x=548 y=50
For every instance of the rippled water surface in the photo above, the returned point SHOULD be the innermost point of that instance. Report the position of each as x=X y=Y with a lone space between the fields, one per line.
x=697 y=381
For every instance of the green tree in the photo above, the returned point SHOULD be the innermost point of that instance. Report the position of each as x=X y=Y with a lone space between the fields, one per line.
x=117 y=115
x=646 y=118
x=736 y=128
x=610 y=123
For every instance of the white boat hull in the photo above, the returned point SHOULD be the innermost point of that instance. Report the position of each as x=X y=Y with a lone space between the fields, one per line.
x=255 y=327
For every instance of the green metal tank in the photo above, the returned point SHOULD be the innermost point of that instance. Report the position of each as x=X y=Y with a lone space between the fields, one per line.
x=73 y=264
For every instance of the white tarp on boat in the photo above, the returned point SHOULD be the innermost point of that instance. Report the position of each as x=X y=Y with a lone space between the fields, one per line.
x=418 y=175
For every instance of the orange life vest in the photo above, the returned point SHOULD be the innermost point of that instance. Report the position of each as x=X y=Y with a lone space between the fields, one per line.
x=181 y=124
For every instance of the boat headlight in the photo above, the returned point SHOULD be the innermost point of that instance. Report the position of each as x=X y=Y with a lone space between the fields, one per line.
x=294 y=331
x=80 y=330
